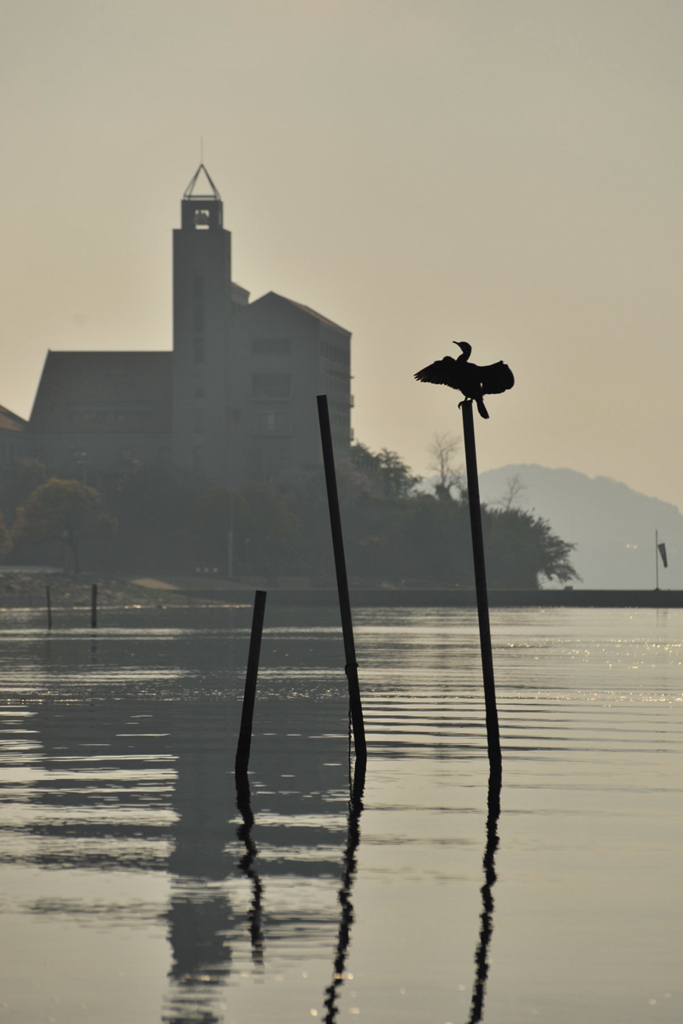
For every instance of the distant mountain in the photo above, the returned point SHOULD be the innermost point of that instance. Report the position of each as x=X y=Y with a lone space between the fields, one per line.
x=612 y=526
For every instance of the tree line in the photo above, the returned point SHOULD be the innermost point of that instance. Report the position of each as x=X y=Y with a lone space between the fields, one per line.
x=396 y=532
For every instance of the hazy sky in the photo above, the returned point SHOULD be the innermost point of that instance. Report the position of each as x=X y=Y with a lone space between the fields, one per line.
x=506 y=173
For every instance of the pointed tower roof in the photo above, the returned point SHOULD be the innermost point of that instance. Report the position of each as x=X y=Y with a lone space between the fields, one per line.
x=190 y=192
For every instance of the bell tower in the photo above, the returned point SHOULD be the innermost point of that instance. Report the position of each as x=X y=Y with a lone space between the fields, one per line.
x=201 y=306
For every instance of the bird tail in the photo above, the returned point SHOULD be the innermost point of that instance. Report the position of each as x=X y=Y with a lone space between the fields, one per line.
x=483 y=411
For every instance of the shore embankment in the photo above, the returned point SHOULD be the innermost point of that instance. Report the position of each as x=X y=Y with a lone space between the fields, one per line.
x=28 y=589
x=386 y=597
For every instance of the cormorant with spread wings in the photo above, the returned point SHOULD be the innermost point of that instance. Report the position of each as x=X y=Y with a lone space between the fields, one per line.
x=472 y=380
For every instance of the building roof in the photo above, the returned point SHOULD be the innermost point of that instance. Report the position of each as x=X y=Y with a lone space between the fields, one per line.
x=269 y=296
x=10 y=421
x=104 y=392
x=190 y=193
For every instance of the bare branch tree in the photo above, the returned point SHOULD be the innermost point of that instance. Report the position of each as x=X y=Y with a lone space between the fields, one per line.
x=443 y=450
x=514 y=487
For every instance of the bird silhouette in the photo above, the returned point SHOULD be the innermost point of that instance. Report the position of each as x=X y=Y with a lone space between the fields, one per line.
x=473 y=381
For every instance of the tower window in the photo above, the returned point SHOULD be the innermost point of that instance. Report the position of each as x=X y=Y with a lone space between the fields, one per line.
x=202 y=219
x=271 y=346
x=270 y=385
x=272 y=422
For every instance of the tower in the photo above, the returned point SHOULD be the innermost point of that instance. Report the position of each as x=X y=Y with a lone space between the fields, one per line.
x=245 y=375
x=201 y=306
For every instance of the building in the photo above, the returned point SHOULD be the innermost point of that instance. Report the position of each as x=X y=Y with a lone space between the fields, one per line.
x=12 y=435
x=233 y=401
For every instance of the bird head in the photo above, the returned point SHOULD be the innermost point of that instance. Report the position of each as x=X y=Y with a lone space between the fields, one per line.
x=466 y=348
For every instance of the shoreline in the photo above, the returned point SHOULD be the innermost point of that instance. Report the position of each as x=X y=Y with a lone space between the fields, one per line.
x=27 y=591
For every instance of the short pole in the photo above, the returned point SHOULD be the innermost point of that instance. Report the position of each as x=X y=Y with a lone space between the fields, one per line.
x=93 y=607
x=244 y=741
x=351 y=667
x=49 y=607
x=492 y=730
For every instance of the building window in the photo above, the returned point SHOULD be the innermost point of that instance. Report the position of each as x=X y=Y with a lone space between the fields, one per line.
x=270 y=385
x=272 y=422
x=337 y=385
x=199 y=350
x=198 y=421
x=199 y=384
x=271 y=346
x=335 y=354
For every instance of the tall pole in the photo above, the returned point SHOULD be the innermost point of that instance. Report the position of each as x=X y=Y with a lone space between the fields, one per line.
x=492 y=730
x=656 y=559
x=351 y=666
x=244 y=741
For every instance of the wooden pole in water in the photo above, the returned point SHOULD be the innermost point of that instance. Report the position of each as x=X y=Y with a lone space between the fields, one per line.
x=351 y=666
x=492 y=730
x=49 y=608
x=244 y=741
x=93 y=607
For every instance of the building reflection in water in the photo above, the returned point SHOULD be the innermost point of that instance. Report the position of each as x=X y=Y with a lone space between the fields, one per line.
x=346 y=919
x=200 y=916
x=134 y=749
x=481 y=957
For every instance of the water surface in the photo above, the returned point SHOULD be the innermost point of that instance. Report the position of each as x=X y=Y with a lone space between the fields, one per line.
x=133 y=888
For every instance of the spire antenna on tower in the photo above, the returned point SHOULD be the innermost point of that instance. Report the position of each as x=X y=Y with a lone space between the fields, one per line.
x=190 y=193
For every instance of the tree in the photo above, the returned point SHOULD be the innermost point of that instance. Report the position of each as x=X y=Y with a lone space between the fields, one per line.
x=261 y=520
x=514 y=486
x=383 y=474
x=18 y=481
x=522 y=550
x=5 y=540
x=63 y=509
x=442 y=450
x=264 y=526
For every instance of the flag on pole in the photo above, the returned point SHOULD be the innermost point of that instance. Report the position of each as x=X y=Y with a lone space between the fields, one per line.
x=662 y=551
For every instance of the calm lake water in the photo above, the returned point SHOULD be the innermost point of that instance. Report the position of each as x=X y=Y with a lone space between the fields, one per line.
x=132 y=890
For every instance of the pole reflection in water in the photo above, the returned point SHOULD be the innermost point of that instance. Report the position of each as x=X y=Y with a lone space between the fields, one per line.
x=482 y=953
x=247 y=866
x=346 y=920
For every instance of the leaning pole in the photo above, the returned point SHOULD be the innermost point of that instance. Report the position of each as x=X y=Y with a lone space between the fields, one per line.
x=351 y=666
x=492 y=730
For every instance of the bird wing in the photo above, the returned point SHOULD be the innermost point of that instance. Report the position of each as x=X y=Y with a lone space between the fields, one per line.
x=495 y=378
x=443 y=371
